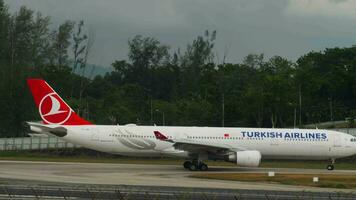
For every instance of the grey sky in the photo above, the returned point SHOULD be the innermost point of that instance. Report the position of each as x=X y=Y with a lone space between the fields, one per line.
x=288 y=28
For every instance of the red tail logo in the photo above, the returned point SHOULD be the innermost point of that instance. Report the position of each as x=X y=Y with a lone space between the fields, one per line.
x=52 y=108
x=52 y=111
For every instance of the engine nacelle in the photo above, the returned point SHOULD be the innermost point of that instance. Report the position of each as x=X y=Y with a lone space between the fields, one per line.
x=245 y=158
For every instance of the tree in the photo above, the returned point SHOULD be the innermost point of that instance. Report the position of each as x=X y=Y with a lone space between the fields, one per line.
x=145 y=54
x=82 y=45
x=197 y=54
x=40 y=47
x=280 y=93
x=21 y=37
x=4 y=32
x=61 y=43
x=254 y=60
x=79 y=47
x=326 y=80
x=26 y=49
x=200 y=51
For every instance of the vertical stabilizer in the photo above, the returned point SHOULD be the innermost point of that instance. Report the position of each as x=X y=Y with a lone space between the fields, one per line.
x=51 y=107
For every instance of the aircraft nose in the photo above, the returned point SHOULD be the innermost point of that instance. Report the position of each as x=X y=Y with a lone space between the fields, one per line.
x=352 y=143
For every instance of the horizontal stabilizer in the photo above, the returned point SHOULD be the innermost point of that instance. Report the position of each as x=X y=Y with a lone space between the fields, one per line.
x=56 y=130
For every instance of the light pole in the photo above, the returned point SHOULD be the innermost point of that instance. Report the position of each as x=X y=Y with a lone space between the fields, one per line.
x=163 y=122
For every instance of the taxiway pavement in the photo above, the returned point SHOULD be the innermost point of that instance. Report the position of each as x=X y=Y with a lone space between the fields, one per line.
x=146 y=175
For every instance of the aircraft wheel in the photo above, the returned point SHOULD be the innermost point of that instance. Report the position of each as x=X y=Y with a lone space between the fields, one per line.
x=193 y=167
x=330 y=167
x=203 y=167
x=187 y=164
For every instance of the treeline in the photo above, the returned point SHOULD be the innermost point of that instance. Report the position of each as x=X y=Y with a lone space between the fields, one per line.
x=189 y=86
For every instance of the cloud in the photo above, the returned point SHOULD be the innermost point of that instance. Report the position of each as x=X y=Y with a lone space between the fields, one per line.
x=287 y=28
x=322 y=8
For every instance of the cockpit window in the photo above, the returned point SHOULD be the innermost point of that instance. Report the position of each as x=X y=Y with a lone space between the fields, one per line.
x=353 y=139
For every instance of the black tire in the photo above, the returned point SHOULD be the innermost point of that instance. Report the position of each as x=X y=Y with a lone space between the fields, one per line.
x=330 y=167
x=187 y=164
x=193 y=167
x=203 y=167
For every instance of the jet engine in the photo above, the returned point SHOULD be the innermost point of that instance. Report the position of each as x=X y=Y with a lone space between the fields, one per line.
x=245 y=158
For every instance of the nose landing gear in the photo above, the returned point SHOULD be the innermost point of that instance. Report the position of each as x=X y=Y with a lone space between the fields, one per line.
x=331 y=166
x=195 y=165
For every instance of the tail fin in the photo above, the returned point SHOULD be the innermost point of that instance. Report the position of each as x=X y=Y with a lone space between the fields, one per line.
x=52 y=108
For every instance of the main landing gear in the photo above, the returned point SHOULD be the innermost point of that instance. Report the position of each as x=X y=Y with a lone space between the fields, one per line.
x=195 y=165
x=331 y=166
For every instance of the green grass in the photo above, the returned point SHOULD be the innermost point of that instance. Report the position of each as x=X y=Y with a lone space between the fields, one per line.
x=79 y=156
x=325 y=180
x=344 y=165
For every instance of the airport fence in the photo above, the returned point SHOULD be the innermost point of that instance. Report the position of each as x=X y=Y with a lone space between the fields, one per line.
x=34 y=143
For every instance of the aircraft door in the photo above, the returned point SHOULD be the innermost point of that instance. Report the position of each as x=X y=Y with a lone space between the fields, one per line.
x=337 y=141
x=337 y=144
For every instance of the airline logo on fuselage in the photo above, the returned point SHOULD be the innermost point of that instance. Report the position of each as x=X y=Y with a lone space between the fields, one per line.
x=285 y=135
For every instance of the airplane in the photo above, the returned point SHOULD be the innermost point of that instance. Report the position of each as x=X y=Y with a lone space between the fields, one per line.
x=243 y=146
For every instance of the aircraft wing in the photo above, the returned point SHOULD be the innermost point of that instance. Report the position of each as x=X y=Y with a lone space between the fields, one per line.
x=194 y=146
x=55 y=130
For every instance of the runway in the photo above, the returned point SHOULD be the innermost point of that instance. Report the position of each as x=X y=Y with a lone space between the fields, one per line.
x=144 y=175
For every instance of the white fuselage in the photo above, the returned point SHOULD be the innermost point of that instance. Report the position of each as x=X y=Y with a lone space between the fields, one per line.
x=131 y=140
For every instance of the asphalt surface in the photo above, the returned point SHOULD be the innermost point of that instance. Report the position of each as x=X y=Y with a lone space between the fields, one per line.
x=22 y=179
x=153 y=192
